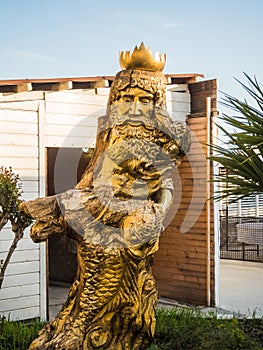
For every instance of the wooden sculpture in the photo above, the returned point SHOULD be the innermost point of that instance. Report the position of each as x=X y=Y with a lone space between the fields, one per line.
x=115 y=214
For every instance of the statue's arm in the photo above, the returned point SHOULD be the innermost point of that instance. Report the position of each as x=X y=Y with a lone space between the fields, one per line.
x=48 y=219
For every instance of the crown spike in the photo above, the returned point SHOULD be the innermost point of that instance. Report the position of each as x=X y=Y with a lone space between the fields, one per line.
x=142 y=59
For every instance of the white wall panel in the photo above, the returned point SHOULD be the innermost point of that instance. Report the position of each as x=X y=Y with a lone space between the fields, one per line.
x=22 y=291
x=17 y=303
x=16 y=140
x=23 y=255
x=21 y=97
x=19 y=162
x=19 y=296
x=66 y=141
x=18 y=128
x=73 y=120
x=75 y=108
x=20 y=280
x=19 y=151
x=29 y=186
x=75 y=96
x=23 y=244
x=22 y=314
x=21 y=106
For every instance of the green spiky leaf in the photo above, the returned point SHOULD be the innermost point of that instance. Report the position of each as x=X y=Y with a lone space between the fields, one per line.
x=242 y=153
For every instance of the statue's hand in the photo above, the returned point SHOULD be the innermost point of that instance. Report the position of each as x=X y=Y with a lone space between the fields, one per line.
x=49 y=220
x=41 y=230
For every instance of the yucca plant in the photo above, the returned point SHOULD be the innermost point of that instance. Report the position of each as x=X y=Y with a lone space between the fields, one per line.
x=241 y=154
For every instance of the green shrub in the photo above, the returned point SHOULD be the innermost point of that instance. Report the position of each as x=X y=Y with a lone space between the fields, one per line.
x=10 y=192
x=10 y=201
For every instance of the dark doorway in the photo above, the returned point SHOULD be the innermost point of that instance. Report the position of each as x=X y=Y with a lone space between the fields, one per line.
x=65 y=168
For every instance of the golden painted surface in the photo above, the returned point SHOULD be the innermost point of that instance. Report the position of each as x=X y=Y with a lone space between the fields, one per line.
x=141 y=58
x=116 y=215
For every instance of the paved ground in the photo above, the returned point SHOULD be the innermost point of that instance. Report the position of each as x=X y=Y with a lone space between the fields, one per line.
x=241 y=290
x=57 y=296
x=241 y=287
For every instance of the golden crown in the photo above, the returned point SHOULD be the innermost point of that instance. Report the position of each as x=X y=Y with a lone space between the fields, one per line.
x=142 y=59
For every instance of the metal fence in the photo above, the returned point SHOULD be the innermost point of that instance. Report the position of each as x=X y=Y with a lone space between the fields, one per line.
x=241 y=238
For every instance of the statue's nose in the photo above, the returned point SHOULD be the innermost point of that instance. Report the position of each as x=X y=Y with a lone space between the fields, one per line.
x=135 y=108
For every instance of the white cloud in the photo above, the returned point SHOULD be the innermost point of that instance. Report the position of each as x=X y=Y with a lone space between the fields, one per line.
x=171 y=25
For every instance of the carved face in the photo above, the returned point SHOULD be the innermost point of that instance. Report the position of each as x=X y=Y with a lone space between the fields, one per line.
x=144 y=82
x=134 y=102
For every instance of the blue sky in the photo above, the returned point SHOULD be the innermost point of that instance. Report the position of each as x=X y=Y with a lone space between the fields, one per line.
x=70 y=38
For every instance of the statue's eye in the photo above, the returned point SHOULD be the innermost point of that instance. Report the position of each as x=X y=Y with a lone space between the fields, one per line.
x=127 y=98
x=145 y=100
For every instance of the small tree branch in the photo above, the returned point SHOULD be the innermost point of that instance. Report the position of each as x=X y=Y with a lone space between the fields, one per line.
x=3 y=219
x=10 y=192
x=18 y=235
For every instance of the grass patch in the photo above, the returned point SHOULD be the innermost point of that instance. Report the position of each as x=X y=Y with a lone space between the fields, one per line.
x=176 y=329
x=17 y=335
x=190 y=329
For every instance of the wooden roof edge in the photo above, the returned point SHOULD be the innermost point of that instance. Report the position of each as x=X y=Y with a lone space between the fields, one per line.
x=183 y=78
x=184 y=75
x=56 y=84
x=84 y=79
x=54 y=80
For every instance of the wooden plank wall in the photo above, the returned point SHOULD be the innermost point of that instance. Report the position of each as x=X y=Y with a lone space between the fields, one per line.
x=29 y=123
x=71 y=116
x=178 y=101
x=19 y=295
x=184 y=264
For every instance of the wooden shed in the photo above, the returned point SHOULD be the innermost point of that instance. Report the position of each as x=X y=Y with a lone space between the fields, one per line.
x=44 y=126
